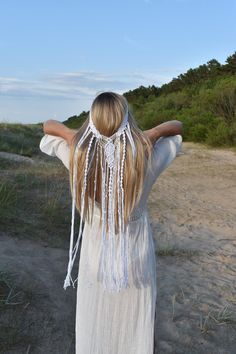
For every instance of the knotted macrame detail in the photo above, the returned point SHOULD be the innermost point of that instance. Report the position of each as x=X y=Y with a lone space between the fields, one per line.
x=110 y=153
x=113 y=270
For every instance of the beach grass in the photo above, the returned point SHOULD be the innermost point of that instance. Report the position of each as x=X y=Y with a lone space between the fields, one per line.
x=35 y=201
x=165 y=250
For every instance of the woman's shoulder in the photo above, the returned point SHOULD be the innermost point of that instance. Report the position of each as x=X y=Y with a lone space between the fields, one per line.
x=165 y=150
x=56 y=146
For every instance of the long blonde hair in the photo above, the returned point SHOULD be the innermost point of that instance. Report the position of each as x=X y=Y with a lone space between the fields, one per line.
x=108 y=112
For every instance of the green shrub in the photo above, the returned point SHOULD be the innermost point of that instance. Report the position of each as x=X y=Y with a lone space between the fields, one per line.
x=222 y=135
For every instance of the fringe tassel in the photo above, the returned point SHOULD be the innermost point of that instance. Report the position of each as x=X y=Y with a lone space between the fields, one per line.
x=96 y=172
x=114 y=260
x=72 y=252
x=128 y=132
x=124 y=254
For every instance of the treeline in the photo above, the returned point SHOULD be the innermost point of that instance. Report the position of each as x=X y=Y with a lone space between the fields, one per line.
x=203 y=98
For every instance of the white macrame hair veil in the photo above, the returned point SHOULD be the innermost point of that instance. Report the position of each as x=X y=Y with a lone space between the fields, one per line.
x=114 y=256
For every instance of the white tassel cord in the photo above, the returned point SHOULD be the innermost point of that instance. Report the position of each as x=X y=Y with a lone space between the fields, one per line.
x=96 y=148
x=114 y=261
x=124 y=253
x=111 y=256
x=104 y=243
x=119 y=198
x=83 y=194
x=68 y=280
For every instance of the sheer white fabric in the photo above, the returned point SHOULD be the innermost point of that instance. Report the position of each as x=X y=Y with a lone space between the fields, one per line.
x=118 y=323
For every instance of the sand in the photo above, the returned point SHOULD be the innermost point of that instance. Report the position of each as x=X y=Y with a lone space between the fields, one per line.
x=193 y=214
x=193 y=211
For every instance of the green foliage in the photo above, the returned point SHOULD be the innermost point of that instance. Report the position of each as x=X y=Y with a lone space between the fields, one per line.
x=222 y=135
x=20 y=138
x=231 y=64
x=75 y=122
x=203 y=98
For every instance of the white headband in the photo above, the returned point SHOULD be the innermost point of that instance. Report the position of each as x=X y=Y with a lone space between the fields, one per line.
x=114 y=262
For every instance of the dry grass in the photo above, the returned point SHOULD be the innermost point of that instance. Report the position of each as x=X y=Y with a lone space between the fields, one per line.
x=35 y=205
x=20 y=138
x=31 y=197
x=16 y=324
x=221 y=316
x=175 y=251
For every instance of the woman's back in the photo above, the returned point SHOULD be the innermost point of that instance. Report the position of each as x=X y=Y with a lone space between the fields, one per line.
x=122 y=322
x=165 y=150
x=116 y=283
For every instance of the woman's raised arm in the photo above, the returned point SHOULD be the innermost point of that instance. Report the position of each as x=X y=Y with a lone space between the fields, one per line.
x=171 y=127
x=56 y=128
x=53 y=127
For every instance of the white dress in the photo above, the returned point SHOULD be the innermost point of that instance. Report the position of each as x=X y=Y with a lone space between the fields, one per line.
x=123 y=322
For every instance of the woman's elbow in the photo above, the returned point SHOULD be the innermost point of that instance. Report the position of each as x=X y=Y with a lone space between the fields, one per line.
x=46 y=125
x=178 y=127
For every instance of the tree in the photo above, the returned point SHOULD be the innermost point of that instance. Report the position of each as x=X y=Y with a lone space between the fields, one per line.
x=231 y=64
x=214 y=67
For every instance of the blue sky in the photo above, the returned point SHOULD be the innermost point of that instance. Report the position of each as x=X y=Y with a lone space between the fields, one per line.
x=57 y=55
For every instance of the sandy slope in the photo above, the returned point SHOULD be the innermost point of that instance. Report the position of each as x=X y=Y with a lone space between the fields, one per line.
x=46 y=322
x=193 y=211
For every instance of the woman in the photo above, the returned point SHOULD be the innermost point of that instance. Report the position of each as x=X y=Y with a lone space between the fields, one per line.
x=113 y=165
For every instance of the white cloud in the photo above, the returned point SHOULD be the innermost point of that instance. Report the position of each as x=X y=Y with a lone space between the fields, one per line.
x=65 y=94
x=72 y=85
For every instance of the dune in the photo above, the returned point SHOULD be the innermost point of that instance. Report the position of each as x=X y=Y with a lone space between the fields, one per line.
x=193 y=216
x=193 y=212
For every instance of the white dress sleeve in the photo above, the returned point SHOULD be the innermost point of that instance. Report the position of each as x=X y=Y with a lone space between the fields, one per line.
x=164 y=152
x=56 y=146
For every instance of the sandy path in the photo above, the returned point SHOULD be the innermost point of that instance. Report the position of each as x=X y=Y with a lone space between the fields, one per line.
x=49 y=312
x=193 y=211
